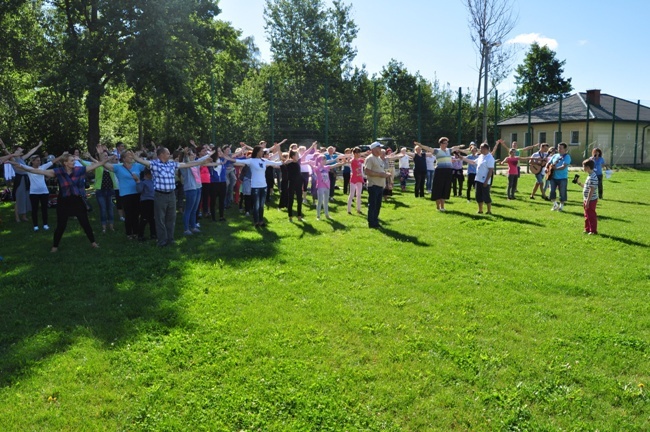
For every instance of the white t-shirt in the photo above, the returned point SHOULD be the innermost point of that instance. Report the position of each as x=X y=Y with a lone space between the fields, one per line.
x=404 y=162
x=258 y=170
x=483 y=165
x=431 y=163
x=37 y=184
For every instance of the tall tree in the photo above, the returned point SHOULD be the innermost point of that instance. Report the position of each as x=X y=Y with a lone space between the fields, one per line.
x=490 y=22
x=102 y=40
x=540 y=78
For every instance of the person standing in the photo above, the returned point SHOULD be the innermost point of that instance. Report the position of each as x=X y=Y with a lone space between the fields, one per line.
x=164 y=180
x=471 y=169
x=559 y=177
x=71 y=199
x=375 y=170
x=538 y=160
x=483 y=180
x=590 y=197
x=599 y=164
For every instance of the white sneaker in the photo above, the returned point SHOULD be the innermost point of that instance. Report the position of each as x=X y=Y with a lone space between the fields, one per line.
x=555 y=206
x=561 y=207
x=46 y=227
x=198 y=225
x=35 y=228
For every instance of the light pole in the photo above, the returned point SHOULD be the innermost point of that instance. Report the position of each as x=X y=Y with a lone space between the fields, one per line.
x=487 y=46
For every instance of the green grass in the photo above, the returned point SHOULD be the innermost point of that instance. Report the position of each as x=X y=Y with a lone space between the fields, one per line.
x=438 y=322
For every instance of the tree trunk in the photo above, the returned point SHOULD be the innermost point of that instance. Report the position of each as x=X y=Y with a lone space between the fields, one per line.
x=92 y=105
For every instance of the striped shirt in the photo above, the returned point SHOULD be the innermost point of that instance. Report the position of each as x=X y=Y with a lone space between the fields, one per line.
x=444 y=158
x=591 y=182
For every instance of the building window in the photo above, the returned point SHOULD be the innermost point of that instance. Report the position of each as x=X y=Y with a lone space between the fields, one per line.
x=542 y=137
x=575 y=138
x=513 y=137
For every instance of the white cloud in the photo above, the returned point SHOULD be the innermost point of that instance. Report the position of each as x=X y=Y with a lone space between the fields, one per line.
x=529 y=38
x=583 y=42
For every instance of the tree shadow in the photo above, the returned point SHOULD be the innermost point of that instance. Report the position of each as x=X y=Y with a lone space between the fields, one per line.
x=624 y=240
x=112 y=294
x=401 y=237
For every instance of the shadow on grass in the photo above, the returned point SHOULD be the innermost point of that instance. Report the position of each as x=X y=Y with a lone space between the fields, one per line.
x=628 y=202
x=624 y=240
x=401 y=237
x=600 y=217
x=113 y=294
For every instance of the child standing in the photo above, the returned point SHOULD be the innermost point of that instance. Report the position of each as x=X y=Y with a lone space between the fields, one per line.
x=590 y=197
x=322 y=178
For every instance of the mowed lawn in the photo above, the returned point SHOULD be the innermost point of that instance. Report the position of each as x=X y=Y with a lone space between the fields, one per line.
x=438 y=322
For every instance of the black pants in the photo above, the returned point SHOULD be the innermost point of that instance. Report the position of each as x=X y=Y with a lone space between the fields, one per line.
x=512 y=185
x=346 y=182
x=295 y=191
x=217 y=192
x=36 y=200
x=131 y=204
x=470 y=184
x=420 y=179
x=67 y=207
x=457 y=179
x=205 y=198
x=270 y=182
x=146 y=217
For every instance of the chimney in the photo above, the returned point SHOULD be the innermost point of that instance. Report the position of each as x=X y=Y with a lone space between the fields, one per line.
x=593 y=97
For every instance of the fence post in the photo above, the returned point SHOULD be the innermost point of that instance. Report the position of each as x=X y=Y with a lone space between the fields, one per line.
x=327 y=114
x=611 y=157
x=528 y=140
x=559 y=123
x=460 y=115
x=374 y=114
x=271 y=111
x=636 y=136
x=496 y=115
x=419 y=113
x=587 y=131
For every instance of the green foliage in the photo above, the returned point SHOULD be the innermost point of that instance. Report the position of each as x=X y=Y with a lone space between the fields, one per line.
x=539 y=79
x=438 y=322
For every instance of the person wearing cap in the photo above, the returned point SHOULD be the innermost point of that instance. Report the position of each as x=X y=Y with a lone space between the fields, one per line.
x=375 y=169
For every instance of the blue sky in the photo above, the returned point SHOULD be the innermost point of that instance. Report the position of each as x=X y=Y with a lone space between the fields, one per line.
x=605 y=44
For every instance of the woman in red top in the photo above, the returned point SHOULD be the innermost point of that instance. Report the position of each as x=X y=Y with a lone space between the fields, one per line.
x=356 y=179
x=513 y=172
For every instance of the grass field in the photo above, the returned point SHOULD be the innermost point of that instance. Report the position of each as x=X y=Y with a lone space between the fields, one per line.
x=438 y=322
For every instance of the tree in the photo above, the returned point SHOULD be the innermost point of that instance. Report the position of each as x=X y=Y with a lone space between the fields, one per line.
x=490 y=21
x=102 y=42
x=539 y=79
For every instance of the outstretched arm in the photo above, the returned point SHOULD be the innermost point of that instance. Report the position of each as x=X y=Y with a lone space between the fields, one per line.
x=46 y=173
x=32 y=151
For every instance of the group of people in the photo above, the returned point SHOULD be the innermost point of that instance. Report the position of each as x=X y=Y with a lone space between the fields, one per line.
x=147 y=186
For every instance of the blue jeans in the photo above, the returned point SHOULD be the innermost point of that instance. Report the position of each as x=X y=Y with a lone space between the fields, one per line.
x=192 y=199
x=375 y=195
x=259 y=200
x=561 y=184
x=429 y=179
x=105 y=203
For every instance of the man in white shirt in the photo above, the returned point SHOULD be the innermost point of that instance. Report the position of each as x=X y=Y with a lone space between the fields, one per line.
x=483 y=181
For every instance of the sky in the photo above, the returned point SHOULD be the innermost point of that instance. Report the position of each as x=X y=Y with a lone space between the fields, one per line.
x=605 y=44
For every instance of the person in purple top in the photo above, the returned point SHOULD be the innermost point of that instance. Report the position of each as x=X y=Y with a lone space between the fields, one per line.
x=71 y=199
